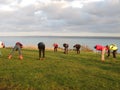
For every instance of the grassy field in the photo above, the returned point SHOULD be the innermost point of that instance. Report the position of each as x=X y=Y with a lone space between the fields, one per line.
x=58 y=71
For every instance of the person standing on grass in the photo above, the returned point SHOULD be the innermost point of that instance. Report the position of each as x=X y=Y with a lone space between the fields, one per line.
x=2 y=45
x=112 y=48
x=55 y=45
x=103 y=50
x=77 y=46
x=41 y=47
x=17 y=47
x=65 y=45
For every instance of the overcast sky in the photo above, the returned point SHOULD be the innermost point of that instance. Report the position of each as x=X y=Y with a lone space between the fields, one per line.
x=60 y=17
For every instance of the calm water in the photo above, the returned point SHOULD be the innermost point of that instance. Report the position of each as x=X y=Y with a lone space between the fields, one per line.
x=48 y=40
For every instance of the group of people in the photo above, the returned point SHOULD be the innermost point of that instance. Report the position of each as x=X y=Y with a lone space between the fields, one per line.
x=17 y=47
x=108 y=49
x=41 y=47
x=65 y=45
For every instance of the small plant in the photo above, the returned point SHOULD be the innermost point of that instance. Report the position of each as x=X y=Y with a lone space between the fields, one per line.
x=86 y=48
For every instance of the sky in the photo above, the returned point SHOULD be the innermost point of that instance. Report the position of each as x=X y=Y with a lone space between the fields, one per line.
x=60 y=18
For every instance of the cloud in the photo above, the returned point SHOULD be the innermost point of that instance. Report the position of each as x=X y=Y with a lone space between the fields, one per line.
x=5 y=1
x=60 y=17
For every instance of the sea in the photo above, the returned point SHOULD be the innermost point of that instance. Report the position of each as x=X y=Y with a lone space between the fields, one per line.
x=71 y=40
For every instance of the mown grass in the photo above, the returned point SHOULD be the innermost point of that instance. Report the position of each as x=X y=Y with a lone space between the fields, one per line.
x=58 y=71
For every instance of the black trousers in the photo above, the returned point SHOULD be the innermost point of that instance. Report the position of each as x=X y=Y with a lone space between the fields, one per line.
x=114 y=53
x=66 y=50
x=78 y=50
x=42 y=53
x=41 y=47
x=55 y=49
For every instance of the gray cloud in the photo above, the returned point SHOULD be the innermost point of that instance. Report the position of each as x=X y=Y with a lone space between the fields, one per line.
x=94 y=17
x=5 y=1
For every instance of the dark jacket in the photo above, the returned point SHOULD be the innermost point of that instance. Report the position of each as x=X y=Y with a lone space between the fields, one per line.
x=41 y=45
x=65 y=45
x=77 y=46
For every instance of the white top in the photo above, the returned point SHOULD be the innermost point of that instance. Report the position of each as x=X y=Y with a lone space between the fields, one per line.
x=1 y=44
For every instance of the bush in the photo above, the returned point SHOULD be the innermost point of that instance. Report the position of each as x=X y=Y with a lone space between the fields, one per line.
x=86 y=48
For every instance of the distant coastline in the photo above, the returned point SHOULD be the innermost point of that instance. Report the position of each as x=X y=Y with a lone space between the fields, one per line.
x=116 y=37
x=89 y=41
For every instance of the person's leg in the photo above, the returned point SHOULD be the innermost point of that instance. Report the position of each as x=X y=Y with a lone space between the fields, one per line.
x=11 y=53
x=103 y=55
x=15 y=48
x=56 y=49
x=66 y=50
x=79 y=51
x=39 y=53
x=43 y=52
x=0 y=53
x=108 y=53
x=114 y=53
x=19 y=52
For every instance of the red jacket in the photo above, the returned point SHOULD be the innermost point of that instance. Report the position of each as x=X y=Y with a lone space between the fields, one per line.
x=100 y=47
x=55 y=45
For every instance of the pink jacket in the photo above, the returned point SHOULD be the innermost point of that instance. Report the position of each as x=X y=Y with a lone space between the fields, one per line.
x=55 y=45
x=100 y=47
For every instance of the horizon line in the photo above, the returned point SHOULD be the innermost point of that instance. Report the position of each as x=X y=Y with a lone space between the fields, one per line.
x=53 y=36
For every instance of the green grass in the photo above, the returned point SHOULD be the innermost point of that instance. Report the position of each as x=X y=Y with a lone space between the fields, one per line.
x=58 y=71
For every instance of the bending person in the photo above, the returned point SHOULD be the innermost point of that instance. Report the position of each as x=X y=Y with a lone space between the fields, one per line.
x=55 y=45
x=112 y=48
x=17 y=47
x=77 y=46
x=2 y=45
x=41 y=47
x=65 y=45
x=102 y=49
